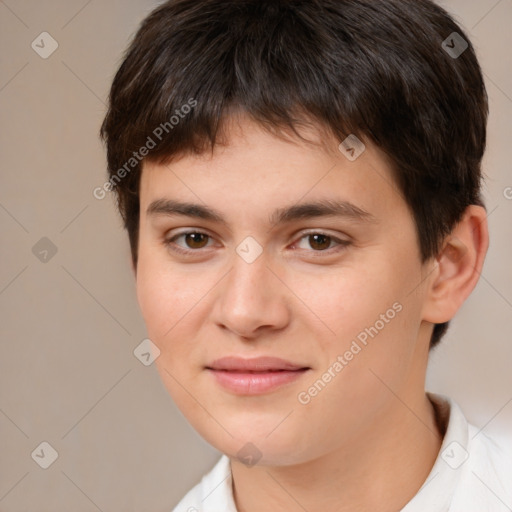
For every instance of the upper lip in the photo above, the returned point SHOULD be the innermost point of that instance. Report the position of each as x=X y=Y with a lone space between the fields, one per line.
x=257 y=364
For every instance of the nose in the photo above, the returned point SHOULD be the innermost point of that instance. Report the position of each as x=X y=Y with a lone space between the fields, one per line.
x=252 y=299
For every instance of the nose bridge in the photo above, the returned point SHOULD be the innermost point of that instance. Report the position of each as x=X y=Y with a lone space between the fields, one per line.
x=251 y=296
x=249 y=281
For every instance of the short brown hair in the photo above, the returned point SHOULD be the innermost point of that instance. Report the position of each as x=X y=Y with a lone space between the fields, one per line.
x=375 y=69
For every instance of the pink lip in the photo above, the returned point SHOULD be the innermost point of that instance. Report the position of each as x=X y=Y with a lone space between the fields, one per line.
x=254 y=376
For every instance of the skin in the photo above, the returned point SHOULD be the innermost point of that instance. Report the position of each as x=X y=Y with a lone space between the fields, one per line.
x=369 y=439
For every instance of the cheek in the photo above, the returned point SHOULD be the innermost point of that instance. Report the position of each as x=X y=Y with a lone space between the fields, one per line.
x=164 y=296
x=367 y=315
x=168 y=302
x=156 y=302
x=375 y=321
x=348 y=301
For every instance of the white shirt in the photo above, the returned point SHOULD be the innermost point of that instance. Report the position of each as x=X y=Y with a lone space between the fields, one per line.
x=471 y=473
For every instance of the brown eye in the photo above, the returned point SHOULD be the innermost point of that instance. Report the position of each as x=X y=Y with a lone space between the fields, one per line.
x=196 y=240
x=319 y=242
x=193 y=241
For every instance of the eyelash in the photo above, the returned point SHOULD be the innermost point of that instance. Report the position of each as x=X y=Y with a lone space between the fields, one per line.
x=169 y=242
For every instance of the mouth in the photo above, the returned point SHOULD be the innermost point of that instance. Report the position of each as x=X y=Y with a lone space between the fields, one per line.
x=254 y=376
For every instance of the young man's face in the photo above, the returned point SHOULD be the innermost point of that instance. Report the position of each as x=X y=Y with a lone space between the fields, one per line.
x=339 y=297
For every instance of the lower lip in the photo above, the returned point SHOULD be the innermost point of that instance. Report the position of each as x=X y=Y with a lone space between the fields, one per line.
x=255 y=383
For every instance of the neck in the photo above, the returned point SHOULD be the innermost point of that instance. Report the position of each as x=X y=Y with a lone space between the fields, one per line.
x=380 y=470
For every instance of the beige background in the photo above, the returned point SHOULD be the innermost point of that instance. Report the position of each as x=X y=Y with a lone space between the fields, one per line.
x=69 y=326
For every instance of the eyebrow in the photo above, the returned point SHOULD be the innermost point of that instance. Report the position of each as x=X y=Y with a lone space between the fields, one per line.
x=322 y=208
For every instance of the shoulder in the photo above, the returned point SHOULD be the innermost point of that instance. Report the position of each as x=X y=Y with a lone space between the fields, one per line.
x=212 y=493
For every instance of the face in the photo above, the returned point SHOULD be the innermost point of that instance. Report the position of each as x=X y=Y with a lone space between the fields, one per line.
x=280 y=324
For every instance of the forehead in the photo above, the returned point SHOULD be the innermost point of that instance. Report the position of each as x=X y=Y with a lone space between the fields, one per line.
x=253 y=170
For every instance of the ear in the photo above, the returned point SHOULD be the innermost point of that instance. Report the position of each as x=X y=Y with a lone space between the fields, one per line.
x=457 y=266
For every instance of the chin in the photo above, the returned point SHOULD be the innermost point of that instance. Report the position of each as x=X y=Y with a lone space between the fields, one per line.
x=263 y=441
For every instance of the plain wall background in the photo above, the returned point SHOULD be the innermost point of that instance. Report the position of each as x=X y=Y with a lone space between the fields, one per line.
x=69 y=325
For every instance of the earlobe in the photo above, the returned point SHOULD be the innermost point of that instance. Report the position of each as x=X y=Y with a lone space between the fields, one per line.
x=459 y=265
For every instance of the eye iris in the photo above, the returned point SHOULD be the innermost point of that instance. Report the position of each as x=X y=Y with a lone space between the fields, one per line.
x=196 y=238
x=315 y=242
